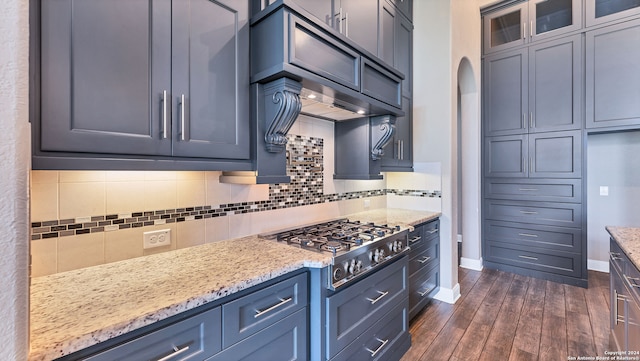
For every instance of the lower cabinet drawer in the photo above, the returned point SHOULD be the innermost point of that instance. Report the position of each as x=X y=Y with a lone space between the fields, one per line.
x=549 y=237
x=552 y=214
x=195 y=338
x=425 y=254
x=381 y=340
x=356 y=308
x=540 y=190
x=423 y=285
x=284 y=340
x=552 y=261
x=252 y=313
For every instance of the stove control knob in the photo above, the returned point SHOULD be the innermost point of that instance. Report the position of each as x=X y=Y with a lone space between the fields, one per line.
x=358 y=266
x=337 y=274
x=371 y=256
x=391 y=246
x=376 y=255
x=352 y=266
x=382 y=253
x=346 y=267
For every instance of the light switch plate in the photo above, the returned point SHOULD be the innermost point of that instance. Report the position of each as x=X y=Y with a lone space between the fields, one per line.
x=604 y=190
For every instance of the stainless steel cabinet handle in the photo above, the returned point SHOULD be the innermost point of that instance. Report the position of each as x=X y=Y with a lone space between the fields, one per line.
x=399 y=150
x=182 y=106
x=633 y=281
x=433 y=231
x=524 y=121
x=524 y=31
x=164 y=114
x=528 y=257
x=415 y=239
x=425 y=292
x=424 y=259
x=402 y=149
x=531 y=29
x=528 y=235
x=346 y=24
x=617 y=297
x=528 y=189
x=382 y=294
x=383 y=344
x=282 y=303
x=175 y=353
x=528 y=212
x=615 y=256
x=531 y=125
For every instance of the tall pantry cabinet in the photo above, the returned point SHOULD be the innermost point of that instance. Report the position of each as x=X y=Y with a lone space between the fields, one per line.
x=553 y=72
x=533 y=218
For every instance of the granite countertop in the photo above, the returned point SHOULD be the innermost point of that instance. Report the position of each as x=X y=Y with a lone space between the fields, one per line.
x=629 y=240
x=77 y=309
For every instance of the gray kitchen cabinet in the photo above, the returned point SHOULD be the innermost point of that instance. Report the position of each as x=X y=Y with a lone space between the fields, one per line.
x=322 y=9
x=424 y=265
x=198 y=337
x=266 y=322
x=405 y=7
x=395 y=43
x=143 y=79
x=358 y=21
x=375 y=308
x=538 y=155
x=624 y=300
x=603 y=11
x=527 y=22
x=534 y=89
x=398 y=154
x=612 y=76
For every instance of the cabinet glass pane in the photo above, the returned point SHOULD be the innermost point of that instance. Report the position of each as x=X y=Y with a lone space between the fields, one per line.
x=506 y=28
x=608 y=7
x=553 y=14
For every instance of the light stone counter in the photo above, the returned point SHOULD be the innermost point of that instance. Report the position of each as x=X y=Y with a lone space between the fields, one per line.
x=77 y=309
x=629 y=240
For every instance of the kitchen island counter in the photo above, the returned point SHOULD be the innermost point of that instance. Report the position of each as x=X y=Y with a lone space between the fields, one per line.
x=628 y=238
x=77 y=309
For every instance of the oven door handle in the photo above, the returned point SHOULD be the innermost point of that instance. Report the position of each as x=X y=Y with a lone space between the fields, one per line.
x=382 y=294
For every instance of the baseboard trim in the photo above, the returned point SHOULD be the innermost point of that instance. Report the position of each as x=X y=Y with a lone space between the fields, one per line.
x=448 y=295
x=600 y=266
x=472 y=264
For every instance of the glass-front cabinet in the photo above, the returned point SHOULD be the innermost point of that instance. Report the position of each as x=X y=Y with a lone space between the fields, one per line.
x=602 y=11
x=530 y=21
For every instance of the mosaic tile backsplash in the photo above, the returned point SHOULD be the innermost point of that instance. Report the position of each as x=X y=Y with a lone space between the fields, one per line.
x=205 y=210
x=306 y=188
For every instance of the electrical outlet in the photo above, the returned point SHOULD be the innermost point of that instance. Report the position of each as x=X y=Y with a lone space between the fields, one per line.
x=604 y=190
x=367 y=203
x=158 y=238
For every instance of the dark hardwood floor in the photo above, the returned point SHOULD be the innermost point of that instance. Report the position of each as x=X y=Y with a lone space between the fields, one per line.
x=502 y=316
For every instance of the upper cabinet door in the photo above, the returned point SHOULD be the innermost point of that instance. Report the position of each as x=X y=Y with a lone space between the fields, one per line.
x=555 y=83
x=552 y=17
x=613 y=75
x=530 y=21
x=106 y=76
x=505 y=28
x=358 y=20
x=505 y=93
x=210 y=79
x=602 y=11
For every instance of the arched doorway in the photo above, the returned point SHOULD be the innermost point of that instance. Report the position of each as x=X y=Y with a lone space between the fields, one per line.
x=467 y=199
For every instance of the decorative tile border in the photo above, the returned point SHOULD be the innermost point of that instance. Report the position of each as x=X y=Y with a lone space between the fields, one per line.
x=306 y=188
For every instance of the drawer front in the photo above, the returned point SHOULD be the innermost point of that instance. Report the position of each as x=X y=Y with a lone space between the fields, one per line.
x=318 y=53
x=562 y=263
x=553 y=214
x=195 y=338
x=549 y=237
x=284 y=340
x=425 y=254
x=377 y=343
x=556 y=190
x=252 y=313
x=381 y=84
x=432 y=229
x=422 y=286
x=356 y=308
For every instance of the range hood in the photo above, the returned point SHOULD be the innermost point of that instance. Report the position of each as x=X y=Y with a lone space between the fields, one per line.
x=302 y=66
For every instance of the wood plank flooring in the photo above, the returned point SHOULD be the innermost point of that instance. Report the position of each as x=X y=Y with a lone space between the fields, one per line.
x=503 y=316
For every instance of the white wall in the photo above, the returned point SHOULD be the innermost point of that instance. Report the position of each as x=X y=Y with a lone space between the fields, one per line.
x=15 y=164
x=612 y=161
